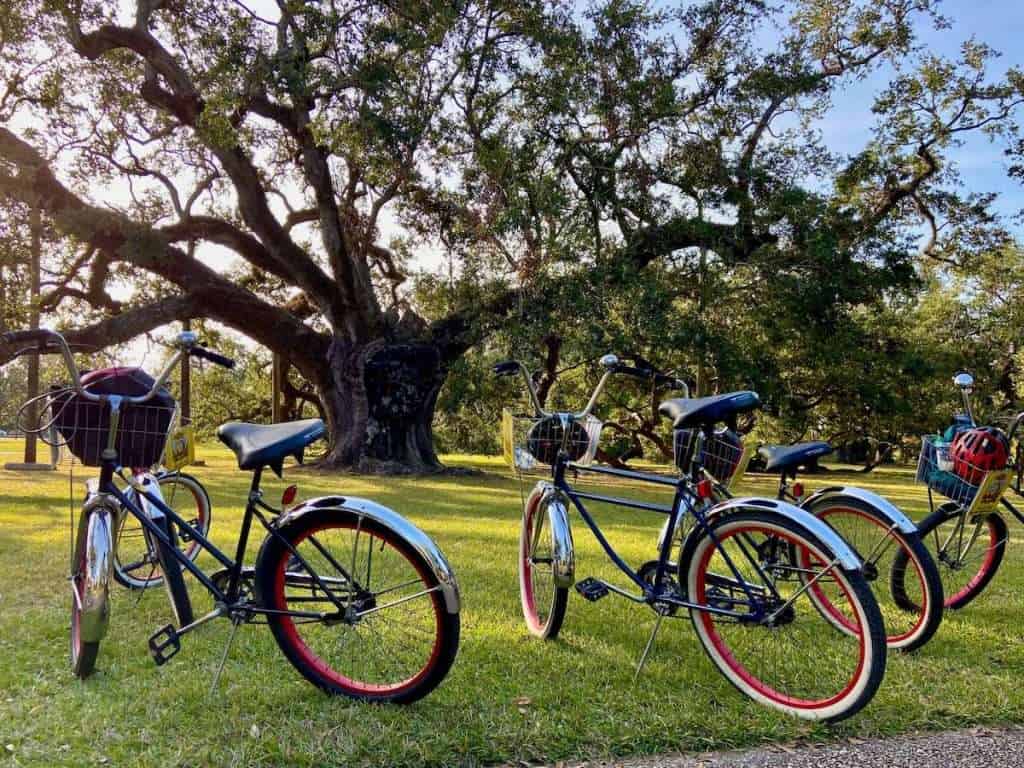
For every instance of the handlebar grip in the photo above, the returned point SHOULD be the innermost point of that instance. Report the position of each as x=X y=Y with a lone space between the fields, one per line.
x=505 y=368
x=638 y=373
x=213 y=357
x=20 y=337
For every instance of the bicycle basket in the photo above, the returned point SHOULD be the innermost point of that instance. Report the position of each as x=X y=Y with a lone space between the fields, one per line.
x=84 y=425
x=976 y=488
x=530 y=443
x=724 y=456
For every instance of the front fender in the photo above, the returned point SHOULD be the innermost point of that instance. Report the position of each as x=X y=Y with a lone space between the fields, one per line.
x=820 y=529
x=563 y=557
x=850 y=494
x=395 y=523
x=96 y=535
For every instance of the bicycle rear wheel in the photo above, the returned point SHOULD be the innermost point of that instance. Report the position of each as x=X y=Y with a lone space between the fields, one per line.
x=136 y=564
x=389 y=636
x=966 y=552
x=904 y=577
x=775 y=646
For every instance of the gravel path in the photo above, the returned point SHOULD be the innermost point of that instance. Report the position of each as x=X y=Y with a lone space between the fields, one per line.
x=977 y=747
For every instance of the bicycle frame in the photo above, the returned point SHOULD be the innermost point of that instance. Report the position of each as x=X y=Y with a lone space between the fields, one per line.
x=682 y=504
x=229 y=598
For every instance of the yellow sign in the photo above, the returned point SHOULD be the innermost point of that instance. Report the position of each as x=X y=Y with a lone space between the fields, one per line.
x=991 y=490
x=181 y=448
x=749 y=449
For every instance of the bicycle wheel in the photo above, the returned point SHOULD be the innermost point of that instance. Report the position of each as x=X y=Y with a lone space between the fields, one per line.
x=775 y=646
x=908 y=588
x=83 y=654
x=966 y=552
x=389 y=637
x=174 y=578
x=136 y=564
x=543 y=601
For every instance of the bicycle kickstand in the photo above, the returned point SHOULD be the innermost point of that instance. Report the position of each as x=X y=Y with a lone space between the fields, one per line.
x=236 y=621
x=647 y=648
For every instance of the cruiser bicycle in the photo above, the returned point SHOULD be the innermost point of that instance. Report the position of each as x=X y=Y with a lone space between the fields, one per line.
x=360 y=601
x=760 y=627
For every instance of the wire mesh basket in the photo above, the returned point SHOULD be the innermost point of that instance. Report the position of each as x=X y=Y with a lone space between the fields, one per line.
x=723 y=454
x=531 y=442
x=973 y=487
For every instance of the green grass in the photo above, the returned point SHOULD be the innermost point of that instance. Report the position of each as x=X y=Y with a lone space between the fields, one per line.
x=508 y=698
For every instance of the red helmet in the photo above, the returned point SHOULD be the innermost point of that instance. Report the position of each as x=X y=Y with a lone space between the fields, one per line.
x=977 y=451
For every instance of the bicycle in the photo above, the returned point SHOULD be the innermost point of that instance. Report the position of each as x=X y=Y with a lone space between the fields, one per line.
x=966 y=534
x=332 y=572
x=907 y=583
x=756 y=623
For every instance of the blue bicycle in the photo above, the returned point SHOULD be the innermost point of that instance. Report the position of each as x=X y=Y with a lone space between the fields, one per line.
x=752 y=609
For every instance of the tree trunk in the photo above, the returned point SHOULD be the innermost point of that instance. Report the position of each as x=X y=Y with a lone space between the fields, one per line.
x=379 y=401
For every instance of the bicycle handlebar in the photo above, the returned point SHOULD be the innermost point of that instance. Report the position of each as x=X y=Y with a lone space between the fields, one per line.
x=186 y=343
x=205 y=354
x=611 y=365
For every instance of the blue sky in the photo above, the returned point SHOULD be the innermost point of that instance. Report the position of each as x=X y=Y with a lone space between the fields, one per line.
x=1000 y=24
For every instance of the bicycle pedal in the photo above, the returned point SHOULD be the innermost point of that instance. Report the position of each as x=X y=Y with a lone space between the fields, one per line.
x=164 y=644
x=592 y=589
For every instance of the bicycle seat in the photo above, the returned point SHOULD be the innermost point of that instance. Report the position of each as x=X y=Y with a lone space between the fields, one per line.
x=705 y=411
x=788 y=457
x=267 y=445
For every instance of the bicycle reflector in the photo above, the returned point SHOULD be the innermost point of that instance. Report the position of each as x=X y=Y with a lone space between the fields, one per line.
x=798 y=490
x=289 y=495
x=704 y=489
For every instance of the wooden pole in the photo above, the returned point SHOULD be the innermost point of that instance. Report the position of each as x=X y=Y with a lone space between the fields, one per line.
x=35 y=226
x=276 y=377
x=186 y=383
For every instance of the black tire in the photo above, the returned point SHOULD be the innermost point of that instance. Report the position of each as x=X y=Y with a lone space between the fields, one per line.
x=806 y=675
x=961 y=581
x=143 y=571
x=437 y=633
x=543 y=602
x=174 y=578
x=912 y=601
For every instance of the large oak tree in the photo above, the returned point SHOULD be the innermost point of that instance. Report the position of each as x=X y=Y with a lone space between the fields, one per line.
x=322 y=143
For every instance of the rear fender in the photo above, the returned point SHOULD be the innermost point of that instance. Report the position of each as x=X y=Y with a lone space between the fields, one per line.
x=859 y=496
x=848 y=559
x=394 y=522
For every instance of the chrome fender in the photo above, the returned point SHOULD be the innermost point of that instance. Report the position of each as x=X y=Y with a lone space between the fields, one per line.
x=850 y=494
x=96 y=535
x=395 y=523
x=563 y=556
x=848 y=559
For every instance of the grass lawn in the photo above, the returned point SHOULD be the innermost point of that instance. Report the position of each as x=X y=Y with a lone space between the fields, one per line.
x=509 y=697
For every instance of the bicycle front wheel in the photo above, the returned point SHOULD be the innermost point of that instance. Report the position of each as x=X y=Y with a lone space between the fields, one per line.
x=967 y=552
x=83 y=653
x=136 y=562
x=357 y=611
x=903 y=575
x=543 y=601
x=769 y=638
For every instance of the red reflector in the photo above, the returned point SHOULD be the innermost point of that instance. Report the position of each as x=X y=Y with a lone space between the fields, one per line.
x=704 y=489
x=289 y=495
x=798 y=490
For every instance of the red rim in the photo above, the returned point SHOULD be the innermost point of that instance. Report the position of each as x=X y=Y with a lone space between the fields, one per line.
x=325 y=670
x=840 y=617
x=986 y=564
x=734 y=663
x=526 y=571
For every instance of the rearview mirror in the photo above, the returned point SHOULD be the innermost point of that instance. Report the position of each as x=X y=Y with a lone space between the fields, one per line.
x=964 y=380
x=609 y=361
